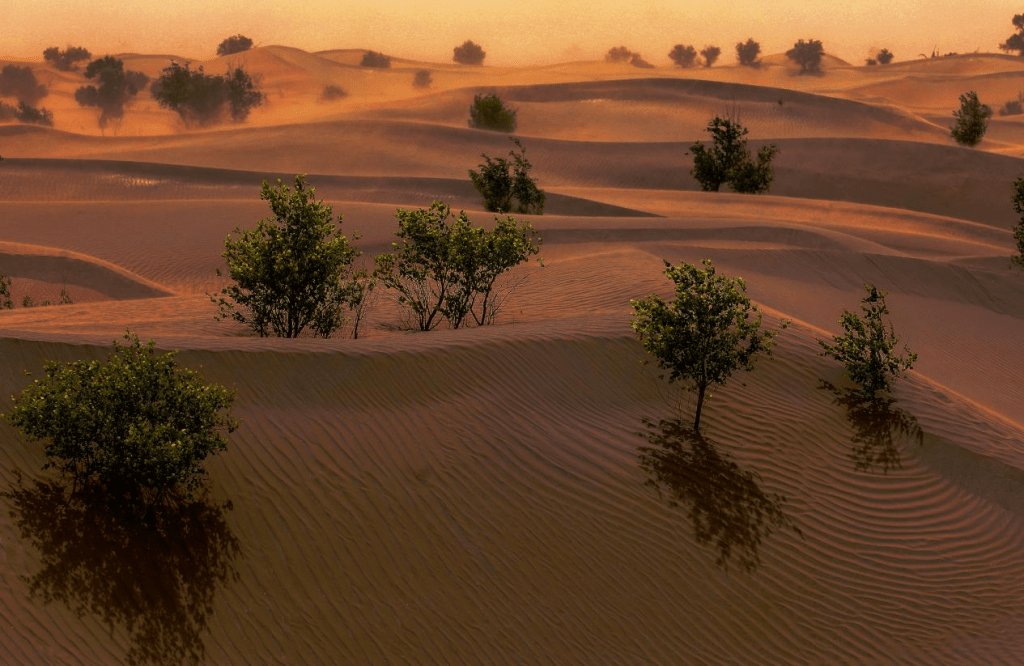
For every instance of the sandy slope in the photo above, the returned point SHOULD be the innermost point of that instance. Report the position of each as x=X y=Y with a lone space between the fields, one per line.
x=478 y=496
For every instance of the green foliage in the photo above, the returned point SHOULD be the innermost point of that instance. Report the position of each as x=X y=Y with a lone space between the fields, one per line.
x=684 y=56
x=66 y=60
x=204 y=99
x=134 y=425
x=747 y=52
x=490 y=113
x=332 y=93
x=807 y=55
x=868 y=348
x=374 y=59
x=708 y=332
x=235 y=44
x=444 y=268
x=116 y=88
x=1018 y=230
x=5 y=291
x=291 y=272
x=501 y=180
x=710 y=54
x=21 y=84
x=422 y=79
x=1015 y=42
x=469 y=53
x=885 y=56
x=728 y=160
x=618 y=54
x=971 y=120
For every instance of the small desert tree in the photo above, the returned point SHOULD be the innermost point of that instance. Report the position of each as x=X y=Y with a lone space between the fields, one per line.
x=618 y=54
x=292 y=271
x=868 y=348
x=709 y=330
x=884 y=57
x=1015 y=42
x=747 y=52
x=115 y=90
x=638 y=61
x=422 y=79
x=375 y=59
x=684 y=56
x=501 y=180
x=136 y=425
x=202 y=99
x=469 y=53
x=728 y=160
x=1018 y=230
x=710 y=55
x=66 y=60
x=490 y=113
x=807 y=55
x=235 y=44
x=21 y=84
x=971 y=120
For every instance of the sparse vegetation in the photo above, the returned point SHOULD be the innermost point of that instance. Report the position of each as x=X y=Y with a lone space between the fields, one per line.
x=66 y=60
x=501 y=181
x=488 y=112
x=135 y=426
x=232 y=45
x=6 y=303
x=728 y=160
x=884 y=56
x=293 y=271
x=422 y=79
x=684 y=56
x=710 y=55
x=375 y=59
x=469 y=53
x=1013 y=107
x=444 y=268
x=21 y=84
x=709 y=330
x=618 y=54
x=332 y=93
x=115 y=90
x=1015 y=42
x=638 y=61
x=868 y=348
x=971 y=120
x=204 y=99
x=807 y=55
x=24 y=113
x=1018 y=230
x=747 y=52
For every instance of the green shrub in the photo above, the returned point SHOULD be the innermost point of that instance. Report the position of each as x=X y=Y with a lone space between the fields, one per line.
x=501 y=181
x=971 y=120
x=728 y=160
x=490 y=113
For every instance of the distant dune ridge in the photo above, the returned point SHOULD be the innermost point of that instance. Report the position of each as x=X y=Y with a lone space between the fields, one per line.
x=476 y=495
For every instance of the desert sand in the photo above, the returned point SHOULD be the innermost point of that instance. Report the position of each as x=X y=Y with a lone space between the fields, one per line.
x=476 y=495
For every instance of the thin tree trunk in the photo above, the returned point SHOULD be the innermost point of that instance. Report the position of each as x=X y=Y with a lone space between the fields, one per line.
x=701 y=388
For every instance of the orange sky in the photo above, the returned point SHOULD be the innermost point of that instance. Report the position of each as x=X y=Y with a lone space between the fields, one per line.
x=512 y=32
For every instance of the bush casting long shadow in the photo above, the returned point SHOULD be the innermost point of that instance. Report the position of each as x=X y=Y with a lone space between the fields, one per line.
x=155 y=575
x=877 y=428
x=726 y=504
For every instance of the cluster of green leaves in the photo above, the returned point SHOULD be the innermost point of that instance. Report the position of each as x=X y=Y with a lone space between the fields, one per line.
x=136 y=425
x=501 y=180
x=807 y=55
x=375 y=59
x=868 y=347
x=293 y=271
x=1018 y=230
x=971 y=120
x=236 y=44
x=728 y=160
x=66 y=60
x=490 y=113
x=747 y=52
x=469 y=53
x=706 y=333
x=202 y=99
x=444 y=268
x=116 y=88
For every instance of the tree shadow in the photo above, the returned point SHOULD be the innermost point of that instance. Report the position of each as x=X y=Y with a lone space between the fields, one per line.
x=878 y=426
x=726 y=504
x=155 y=575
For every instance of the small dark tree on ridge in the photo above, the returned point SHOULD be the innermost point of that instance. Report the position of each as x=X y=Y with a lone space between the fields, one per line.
x=236 y=44
x=684 y=56
x=375 y=59
x=807 y=55
x=469 y=53
x=1015 y=42
x=728 y=160
x=115 y=90
x=68 y=59
x=618 y=54
x=710 y=54
x=747 y=52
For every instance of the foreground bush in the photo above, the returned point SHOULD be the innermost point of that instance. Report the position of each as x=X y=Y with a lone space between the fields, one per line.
x=971 y=120
x=444 y=268
x=135 y=425
x=1018 y=230
x=291 y=272
x=501 y=181
x=728 y=160
x=469 y=53
x=116 y=88
x=204 y=99
x=490 y=113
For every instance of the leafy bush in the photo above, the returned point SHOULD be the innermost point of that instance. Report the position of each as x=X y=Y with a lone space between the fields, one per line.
x=5 y=290
x=885 y=56
x=20 y=83
x=469 y=53
x=332 y=93
x=868 y=348
x=871 y=62
x=708 y=332
x=291 y=272
x=1013 y=107
x=235 y=44
x=374 y=59
x=447 y=269
x=684 y=56
x=422 y=79
x=1018 y=230
x=204 y=99
x=116 y=88
x=807 y=55
x=490 y=113
x=747 y=52
x=1015 y=42
x=971 y=120
x=710 y=54
x=728 y=160
x=135 y=425
x=24 y=113
x=618 y=54
x=501 y=180
x=67 y=59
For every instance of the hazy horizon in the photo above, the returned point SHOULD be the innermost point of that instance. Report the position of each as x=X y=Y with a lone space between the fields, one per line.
x=511 y=35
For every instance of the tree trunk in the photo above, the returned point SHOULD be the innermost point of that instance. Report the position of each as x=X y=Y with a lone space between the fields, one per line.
x=701 y=388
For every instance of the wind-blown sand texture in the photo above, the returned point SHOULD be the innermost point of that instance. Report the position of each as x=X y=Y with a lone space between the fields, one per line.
x=481 y=495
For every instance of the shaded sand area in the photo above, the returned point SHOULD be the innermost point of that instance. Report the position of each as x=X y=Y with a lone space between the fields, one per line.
x=493 y=495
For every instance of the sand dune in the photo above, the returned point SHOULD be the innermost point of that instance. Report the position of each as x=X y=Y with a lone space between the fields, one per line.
x=485 y=495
